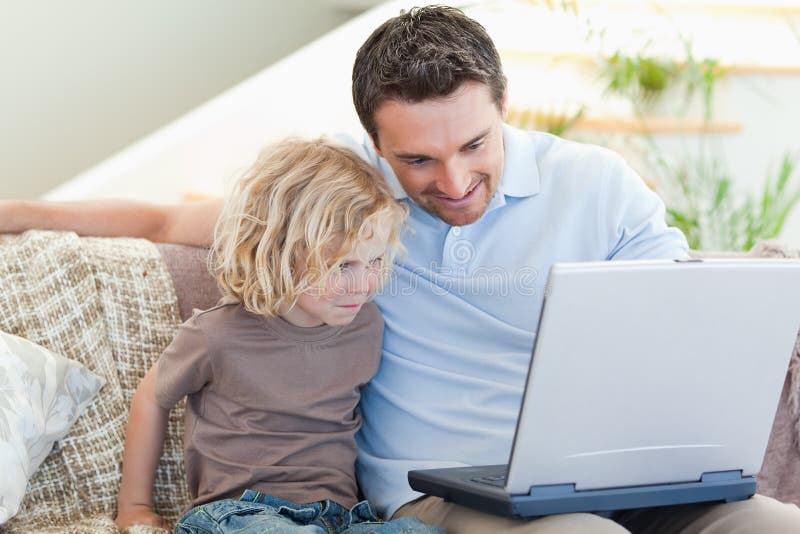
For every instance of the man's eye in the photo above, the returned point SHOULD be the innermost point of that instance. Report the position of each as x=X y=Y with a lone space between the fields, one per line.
x=475 y=146
x=376 y=261
x=417 y=162
x=345 y=267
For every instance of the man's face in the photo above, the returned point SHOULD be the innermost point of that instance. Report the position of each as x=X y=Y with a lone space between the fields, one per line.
x=447 y=153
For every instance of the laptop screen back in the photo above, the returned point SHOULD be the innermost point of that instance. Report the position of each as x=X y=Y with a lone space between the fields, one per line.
x=655 y=372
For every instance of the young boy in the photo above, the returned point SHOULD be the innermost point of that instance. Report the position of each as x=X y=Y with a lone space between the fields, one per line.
x=273 y=373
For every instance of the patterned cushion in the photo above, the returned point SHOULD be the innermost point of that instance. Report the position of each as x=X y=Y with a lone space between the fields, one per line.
x=41 y=396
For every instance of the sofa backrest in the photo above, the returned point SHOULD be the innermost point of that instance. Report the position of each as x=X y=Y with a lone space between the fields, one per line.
x=194 y=284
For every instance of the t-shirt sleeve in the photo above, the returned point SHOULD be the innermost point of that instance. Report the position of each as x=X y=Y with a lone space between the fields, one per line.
x=185 y=366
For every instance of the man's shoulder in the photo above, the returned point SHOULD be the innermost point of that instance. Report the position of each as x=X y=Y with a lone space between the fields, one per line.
x=554 y=149
x=565 y=163
x=542 y=162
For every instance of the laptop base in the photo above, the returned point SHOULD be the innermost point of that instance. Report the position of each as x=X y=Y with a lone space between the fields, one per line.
x=458 y=485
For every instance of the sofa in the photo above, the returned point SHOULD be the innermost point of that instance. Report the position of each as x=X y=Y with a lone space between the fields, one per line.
x=113 y=304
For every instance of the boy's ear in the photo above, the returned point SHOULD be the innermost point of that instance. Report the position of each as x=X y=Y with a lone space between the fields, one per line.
x=504 y=104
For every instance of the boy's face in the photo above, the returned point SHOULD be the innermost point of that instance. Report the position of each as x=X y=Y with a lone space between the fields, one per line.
x=447 y=153
x=346 y=290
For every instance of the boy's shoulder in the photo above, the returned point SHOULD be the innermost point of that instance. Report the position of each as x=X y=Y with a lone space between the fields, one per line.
x=222 y=307
x=371 y=312
x=226 y=318
x=223 y=314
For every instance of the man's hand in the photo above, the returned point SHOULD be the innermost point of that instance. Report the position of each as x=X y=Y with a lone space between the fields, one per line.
x=139 y=514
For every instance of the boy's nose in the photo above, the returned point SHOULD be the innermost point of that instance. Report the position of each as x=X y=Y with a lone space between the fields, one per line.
x=361 y=282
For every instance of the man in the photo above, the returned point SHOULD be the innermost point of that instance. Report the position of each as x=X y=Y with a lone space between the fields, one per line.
x=491 y=209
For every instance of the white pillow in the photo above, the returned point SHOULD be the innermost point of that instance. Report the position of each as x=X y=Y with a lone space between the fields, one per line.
x=41 y=396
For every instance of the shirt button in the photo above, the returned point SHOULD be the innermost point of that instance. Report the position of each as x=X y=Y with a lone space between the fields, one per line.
x=456 y=231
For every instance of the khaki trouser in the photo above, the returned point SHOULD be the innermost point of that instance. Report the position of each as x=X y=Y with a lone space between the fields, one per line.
x=761 y=515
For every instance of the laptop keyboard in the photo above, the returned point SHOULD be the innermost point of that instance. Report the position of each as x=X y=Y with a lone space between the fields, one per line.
x=494 y=480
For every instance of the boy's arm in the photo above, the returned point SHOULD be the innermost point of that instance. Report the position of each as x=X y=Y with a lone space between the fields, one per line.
x=144 y=439
x=190 y=223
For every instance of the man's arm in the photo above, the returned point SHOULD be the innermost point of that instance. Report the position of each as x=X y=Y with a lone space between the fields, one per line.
x=190 y=223
x=635 y=217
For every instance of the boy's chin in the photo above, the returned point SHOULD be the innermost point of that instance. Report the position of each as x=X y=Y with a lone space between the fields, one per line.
x=340 y=322
x=342 y=318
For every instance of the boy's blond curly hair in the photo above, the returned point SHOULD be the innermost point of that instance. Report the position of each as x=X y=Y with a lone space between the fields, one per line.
x=302 y=207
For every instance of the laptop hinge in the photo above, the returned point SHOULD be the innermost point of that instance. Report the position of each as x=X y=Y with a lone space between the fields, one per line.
x=714 y=476
x=552 y=490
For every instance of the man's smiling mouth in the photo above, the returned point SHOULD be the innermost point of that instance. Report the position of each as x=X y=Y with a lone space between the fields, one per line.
x=464 y=199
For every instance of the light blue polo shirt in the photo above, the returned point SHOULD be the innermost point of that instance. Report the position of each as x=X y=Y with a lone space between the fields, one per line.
x=462 y=306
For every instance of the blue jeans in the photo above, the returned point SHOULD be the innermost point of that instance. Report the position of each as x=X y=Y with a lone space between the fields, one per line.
x=256 y=513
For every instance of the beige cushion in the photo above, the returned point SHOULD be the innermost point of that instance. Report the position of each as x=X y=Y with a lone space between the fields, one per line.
x=109 y=304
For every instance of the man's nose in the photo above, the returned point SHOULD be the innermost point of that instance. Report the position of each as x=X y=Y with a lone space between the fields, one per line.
x=454 y=180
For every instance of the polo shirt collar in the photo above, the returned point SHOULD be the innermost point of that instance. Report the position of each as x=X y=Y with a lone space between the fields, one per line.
x=520 y=168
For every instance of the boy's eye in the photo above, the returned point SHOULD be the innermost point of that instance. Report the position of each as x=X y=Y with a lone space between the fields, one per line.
x=376 y=261
x=345 y=266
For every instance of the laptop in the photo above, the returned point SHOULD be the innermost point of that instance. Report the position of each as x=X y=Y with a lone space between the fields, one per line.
x=652 y=383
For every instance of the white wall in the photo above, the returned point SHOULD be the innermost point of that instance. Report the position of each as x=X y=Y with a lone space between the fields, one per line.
x=80 y=80
x=308 y=93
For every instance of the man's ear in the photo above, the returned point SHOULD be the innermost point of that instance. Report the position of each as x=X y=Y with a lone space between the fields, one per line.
x=504 y=104
x=374 y=139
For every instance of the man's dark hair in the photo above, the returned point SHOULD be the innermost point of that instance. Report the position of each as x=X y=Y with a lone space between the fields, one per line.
x=424 y=53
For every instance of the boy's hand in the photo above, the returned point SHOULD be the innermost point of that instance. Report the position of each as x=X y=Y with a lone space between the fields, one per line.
x=139 y=514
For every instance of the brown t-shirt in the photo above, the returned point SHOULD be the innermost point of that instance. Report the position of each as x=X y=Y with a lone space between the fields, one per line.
x=271 y=406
